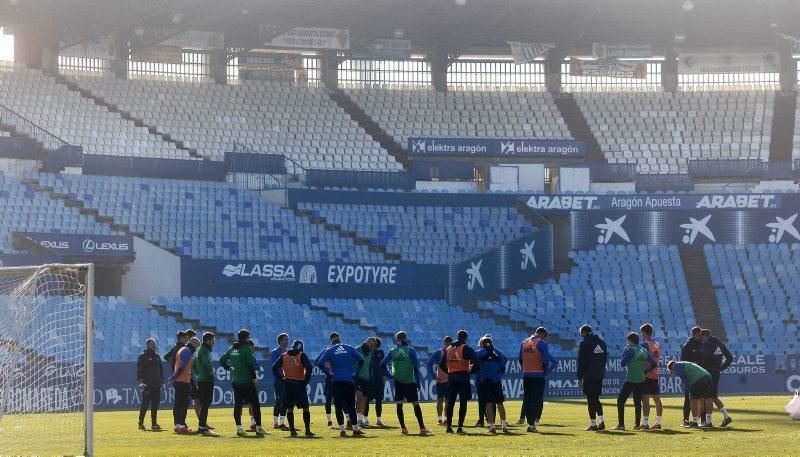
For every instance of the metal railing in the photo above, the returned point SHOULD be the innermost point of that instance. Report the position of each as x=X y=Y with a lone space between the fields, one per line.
x=725 y=168
x=256 y=170
x=20 y=124
x=613 y=172
x=736 y=169
x=359 y=179
x=149 y=167
x=664 y=182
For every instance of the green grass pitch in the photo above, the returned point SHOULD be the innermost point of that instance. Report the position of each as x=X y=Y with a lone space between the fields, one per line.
x=760 y=426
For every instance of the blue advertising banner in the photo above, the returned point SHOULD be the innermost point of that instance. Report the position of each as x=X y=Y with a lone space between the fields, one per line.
x=80 y=245
x=116 y=387
x=655 y=202
x=555 y=203
x=237 y=278
x=510 y=266
x=474 y=147
x=683 y=228
x=27 y=260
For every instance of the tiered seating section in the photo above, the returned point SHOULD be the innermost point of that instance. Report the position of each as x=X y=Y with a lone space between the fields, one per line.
x=266 y=318
x=207 y=220
x=758 y=293
x=456 y=114
x=427 y=234
x=614 y=289
x=661 y=132
x=76 y=119
x=425 y=321
x=24 y=209
x=122 y=328
x=301 y=122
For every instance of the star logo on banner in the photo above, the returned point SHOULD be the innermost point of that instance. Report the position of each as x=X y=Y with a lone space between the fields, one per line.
x=474 y=275
x=527 y=255
x=782 y=226
x=697 y=226
x=611 y=228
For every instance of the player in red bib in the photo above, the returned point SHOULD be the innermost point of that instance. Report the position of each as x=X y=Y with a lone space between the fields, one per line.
x=457 y=362
x=294 y=368
x=652 y=388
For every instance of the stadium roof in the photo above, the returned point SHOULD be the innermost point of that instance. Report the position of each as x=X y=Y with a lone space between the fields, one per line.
x=482 y=24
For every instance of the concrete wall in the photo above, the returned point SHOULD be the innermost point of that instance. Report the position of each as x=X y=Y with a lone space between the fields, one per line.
x=450 y=186
x=16 y=168
x=154 y=272
x=530 y=177
x=575 y=179
x=603 y=187
x=276 y=196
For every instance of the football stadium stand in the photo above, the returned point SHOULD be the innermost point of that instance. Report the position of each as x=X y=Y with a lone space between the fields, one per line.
x=76 y=119
x=429 y=234
x=26 y=210
x=266 y=318
x=758 y=291
x=302 y=123
x=207 y=219
x=614 y=289
x=354 y=319
x=661 y=132
x=462 y=114
x=121 y=329
x=389 y=316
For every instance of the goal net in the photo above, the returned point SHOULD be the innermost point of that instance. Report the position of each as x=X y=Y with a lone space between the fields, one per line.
x=45 y=350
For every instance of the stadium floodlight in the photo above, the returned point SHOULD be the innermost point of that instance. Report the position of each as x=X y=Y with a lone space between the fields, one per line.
x=46 y=353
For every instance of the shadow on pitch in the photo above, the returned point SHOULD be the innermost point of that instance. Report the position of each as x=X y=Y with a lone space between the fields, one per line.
x=668 y=432
x=615 y=432
x=553 y=434
x=733 y=411
x=730 y=430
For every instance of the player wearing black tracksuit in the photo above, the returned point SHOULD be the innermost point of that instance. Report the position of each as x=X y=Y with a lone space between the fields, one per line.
x=150 y=374
x=592 y=358
x=458 y=362
x=691 y=351
x=716 y=359
x=376 y=392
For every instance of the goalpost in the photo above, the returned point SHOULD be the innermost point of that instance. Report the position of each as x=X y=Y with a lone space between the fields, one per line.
x=46 y=353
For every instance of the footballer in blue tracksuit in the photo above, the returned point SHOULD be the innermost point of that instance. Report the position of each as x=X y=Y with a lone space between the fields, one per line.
x=441 y=378
x=334 y=339
x=493 y=366
x=278 y=410
x=340 y=360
